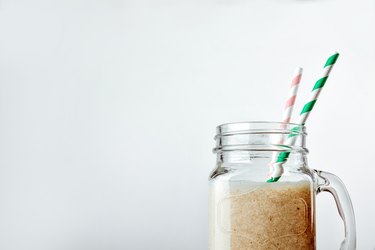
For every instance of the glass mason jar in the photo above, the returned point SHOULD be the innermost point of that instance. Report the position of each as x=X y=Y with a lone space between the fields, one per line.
x=246 y=212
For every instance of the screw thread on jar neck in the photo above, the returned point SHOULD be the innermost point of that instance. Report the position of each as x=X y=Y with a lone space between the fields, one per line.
x=247 y=142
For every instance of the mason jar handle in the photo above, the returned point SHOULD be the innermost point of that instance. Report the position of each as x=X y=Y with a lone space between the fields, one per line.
x=332 y=184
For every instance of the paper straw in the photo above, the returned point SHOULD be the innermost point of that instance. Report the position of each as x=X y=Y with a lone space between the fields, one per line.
x=288 y=109
x=289 y=105
x=306 y=110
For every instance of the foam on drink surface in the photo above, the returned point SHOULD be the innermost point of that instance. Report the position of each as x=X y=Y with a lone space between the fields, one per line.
x=261 y=216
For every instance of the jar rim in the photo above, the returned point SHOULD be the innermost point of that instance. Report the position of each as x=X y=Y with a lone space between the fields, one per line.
x=260 y=136
x=261 y=121
x=256 y=127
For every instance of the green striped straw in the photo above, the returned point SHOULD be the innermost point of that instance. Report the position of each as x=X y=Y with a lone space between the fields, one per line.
x=278 y=168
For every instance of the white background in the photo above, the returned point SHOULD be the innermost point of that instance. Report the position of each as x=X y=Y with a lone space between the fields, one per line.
x=108 y=110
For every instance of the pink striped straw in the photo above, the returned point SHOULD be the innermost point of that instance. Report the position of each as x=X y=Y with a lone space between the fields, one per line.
x=288 y=109
x=289 y=105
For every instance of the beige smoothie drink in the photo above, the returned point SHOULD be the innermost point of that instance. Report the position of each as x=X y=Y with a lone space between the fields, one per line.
x=262 y=216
